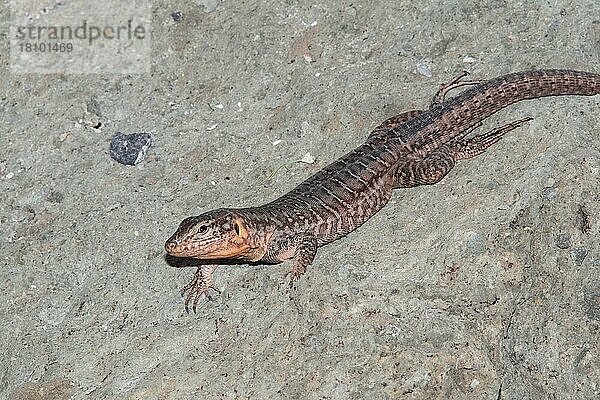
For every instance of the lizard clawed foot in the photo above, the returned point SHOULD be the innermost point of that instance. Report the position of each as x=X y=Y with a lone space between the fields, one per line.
x=457 y=82
x=294 y=274
x=199 y=286
x=196 y=294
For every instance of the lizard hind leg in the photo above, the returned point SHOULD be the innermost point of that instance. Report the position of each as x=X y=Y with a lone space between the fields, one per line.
x=391 y=123
x=424 y=171
x=439 y=97
x=463 y=149
x=457 y=82
x=436 y=165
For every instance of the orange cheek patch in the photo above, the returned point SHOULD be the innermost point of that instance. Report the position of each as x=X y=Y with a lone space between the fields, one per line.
x=233 y=252
x=232 y=247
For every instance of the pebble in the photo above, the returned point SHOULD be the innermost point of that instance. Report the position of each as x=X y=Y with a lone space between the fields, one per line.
x=177 y=16
x=578 y=255
x=130 y=149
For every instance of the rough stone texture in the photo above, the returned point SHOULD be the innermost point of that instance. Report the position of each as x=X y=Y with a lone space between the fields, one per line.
x=466 y=289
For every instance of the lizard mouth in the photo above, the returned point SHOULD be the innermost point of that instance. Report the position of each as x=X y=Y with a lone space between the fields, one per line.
x=179 y=248
x=211 y=252
x=176 y=250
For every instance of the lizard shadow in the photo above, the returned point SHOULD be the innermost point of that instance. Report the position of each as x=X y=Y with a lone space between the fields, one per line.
x=186 y=262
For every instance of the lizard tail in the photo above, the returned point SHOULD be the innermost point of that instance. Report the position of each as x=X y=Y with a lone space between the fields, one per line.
x=483 y=100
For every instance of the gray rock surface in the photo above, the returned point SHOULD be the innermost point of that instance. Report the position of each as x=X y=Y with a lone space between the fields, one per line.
x=484 y=286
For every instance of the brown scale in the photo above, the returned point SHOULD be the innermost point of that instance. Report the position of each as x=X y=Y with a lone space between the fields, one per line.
x=411 y=149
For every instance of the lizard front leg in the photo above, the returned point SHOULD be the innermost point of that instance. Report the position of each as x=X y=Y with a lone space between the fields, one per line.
x=301 y=247
x=199 y=286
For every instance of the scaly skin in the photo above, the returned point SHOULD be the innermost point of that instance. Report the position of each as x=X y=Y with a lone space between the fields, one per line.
x=412 y=149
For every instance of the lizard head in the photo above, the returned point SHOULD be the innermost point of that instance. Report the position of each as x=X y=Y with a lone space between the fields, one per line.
x=218 y=234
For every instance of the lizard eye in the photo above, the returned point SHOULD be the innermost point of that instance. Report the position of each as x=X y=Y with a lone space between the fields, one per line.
x=202 y=229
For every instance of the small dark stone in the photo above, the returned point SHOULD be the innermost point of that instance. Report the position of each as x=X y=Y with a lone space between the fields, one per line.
x=578 y=255
x=177 y=16
x=562 y=240
x=55 y=197
x=129 y=149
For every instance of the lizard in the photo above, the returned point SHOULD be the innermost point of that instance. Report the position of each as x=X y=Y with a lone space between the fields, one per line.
x=414 y=148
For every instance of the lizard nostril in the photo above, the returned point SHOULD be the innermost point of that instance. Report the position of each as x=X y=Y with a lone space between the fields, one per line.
x=169 y=246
